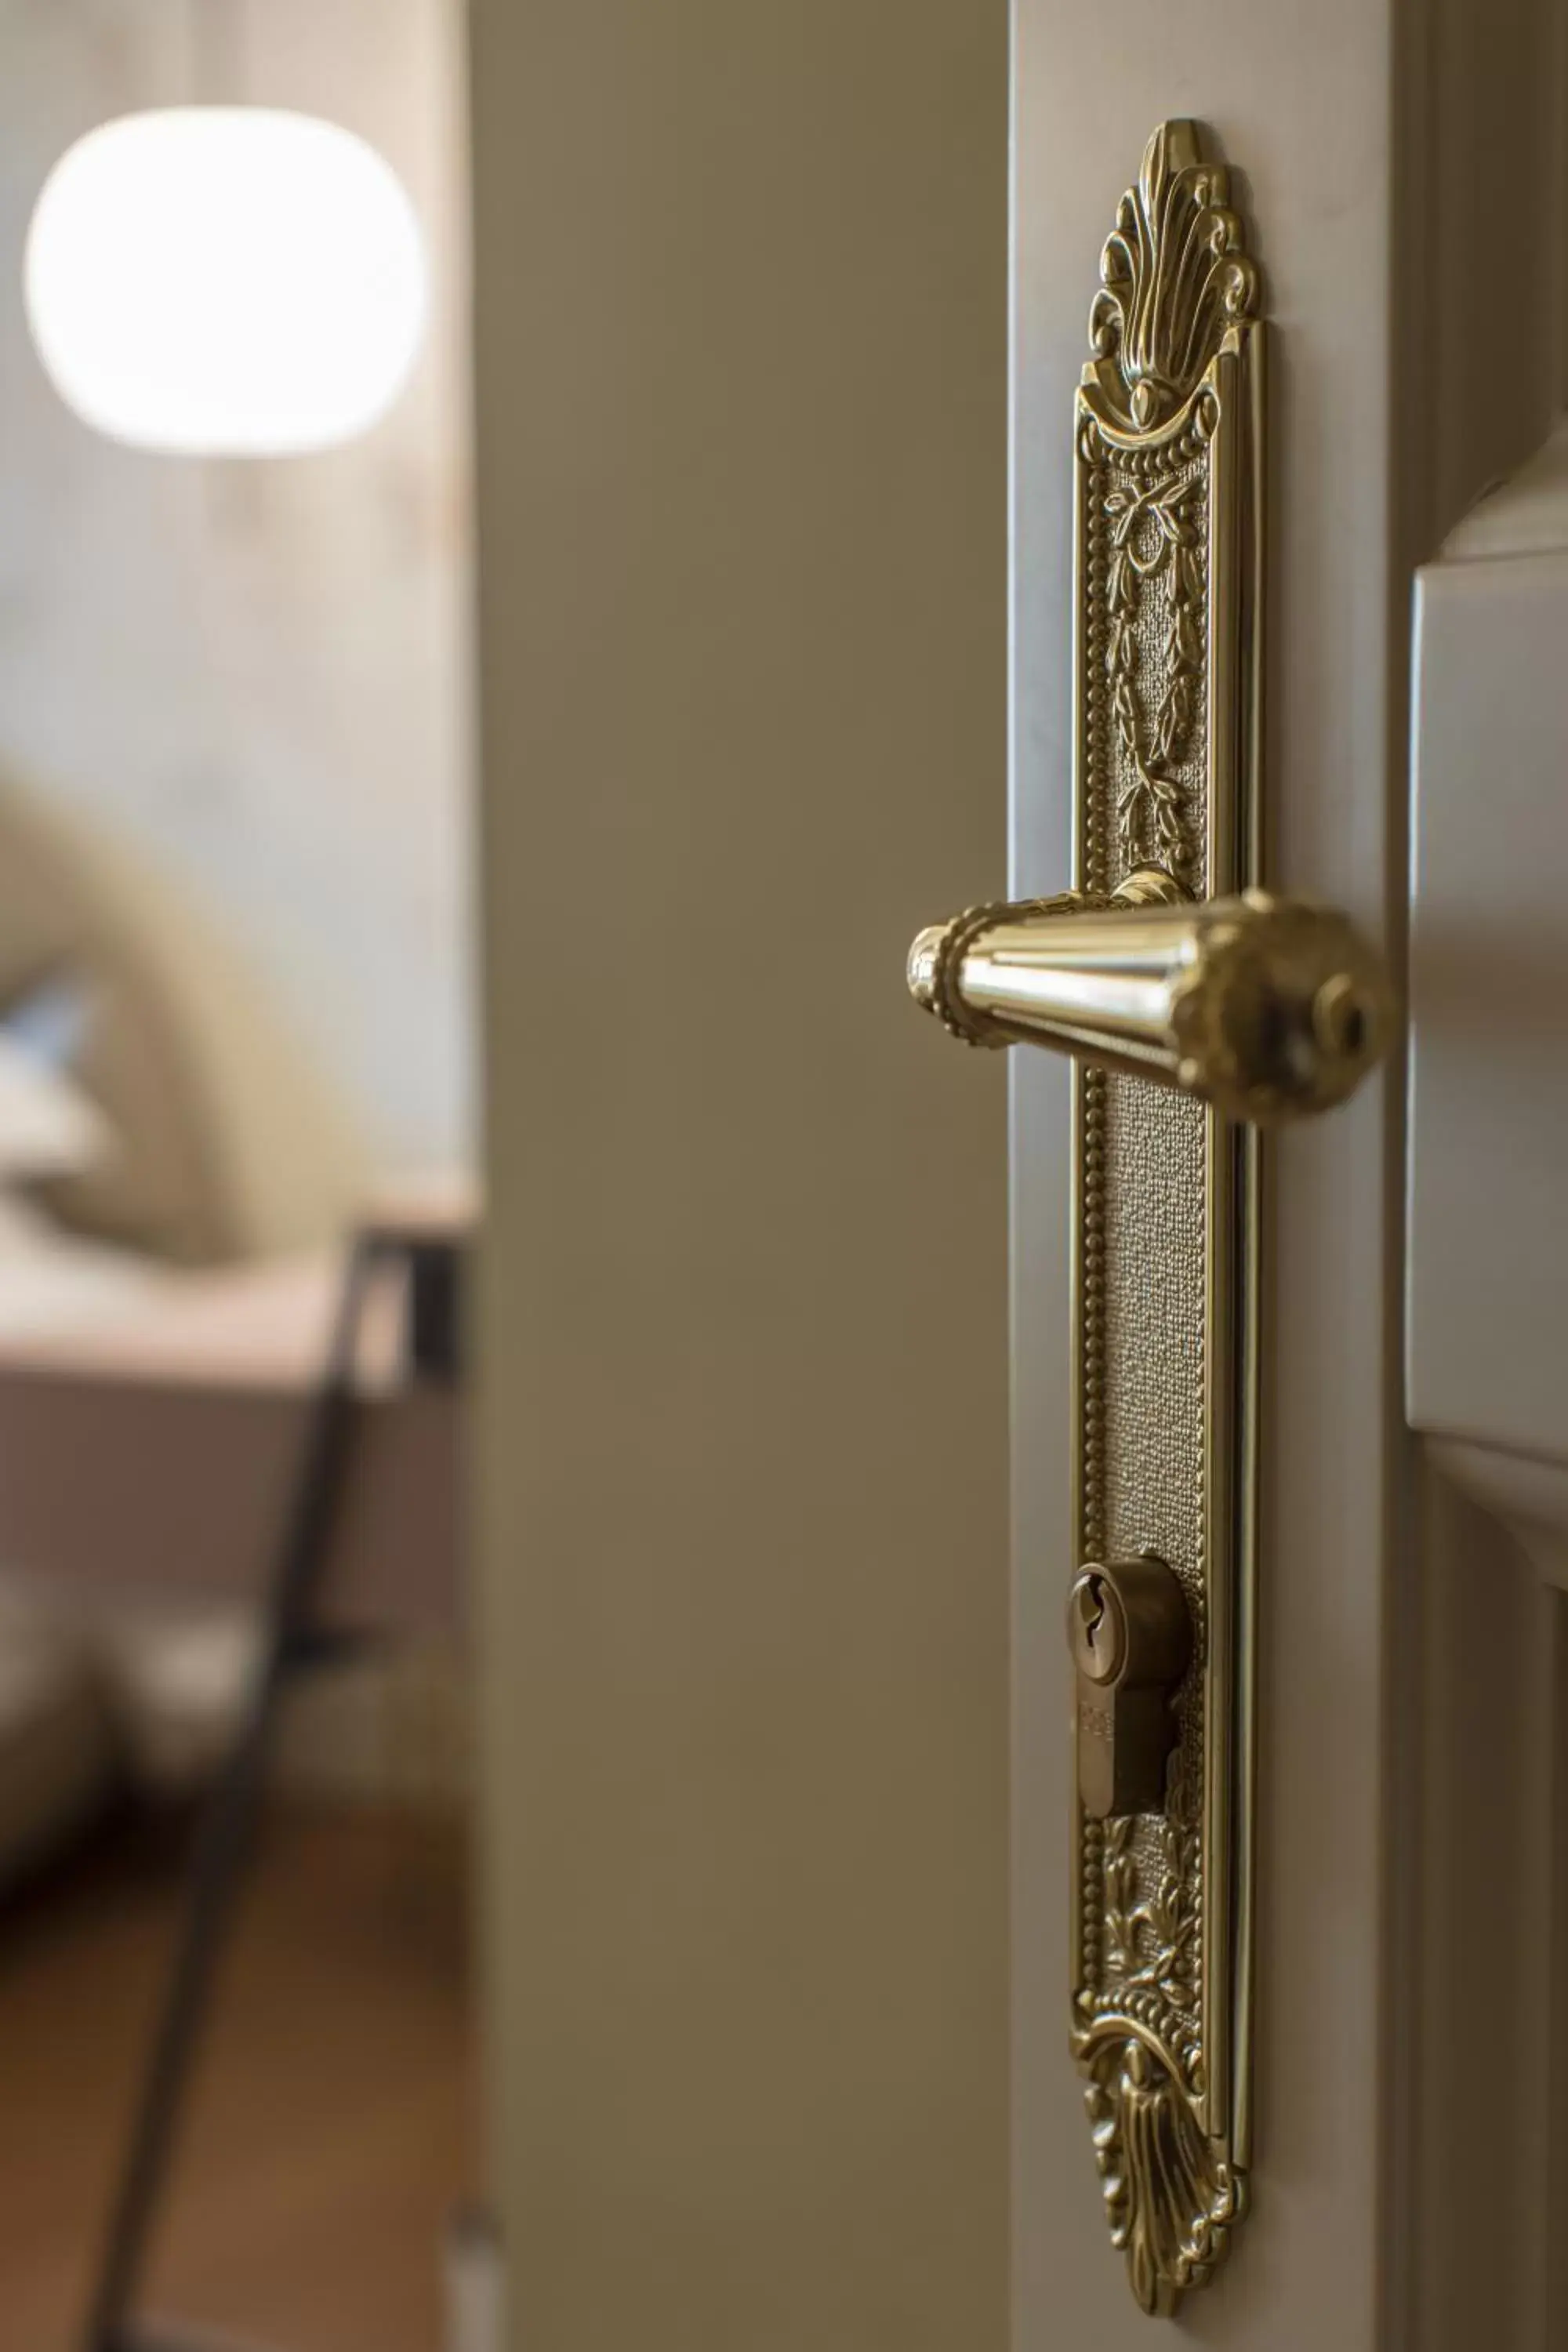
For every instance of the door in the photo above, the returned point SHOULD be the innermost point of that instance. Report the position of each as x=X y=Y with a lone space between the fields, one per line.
x=742 y=668
x=1397 y=176
x=741 y=304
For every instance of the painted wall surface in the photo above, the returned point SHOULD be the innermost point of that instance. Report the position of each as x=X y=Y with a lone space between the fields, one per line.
x=742 y=311
x=260 y=672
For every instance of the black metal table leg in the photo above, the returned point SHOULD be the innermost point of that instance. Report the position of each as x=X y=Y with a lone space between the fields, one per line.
x=229 y=1820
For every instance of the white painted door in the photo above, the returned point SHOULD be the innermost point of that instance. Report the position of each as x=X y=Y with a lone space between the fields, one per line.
x=1487 y=1372
x=1401 y=174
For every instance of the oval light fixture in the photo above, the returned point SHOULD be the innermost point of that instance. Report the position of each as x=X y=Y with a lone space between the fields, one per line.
x=225 y=282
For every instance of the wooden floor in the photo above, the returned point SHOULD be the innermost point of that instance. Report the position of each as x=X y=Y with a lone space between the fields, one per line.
x=334 y=2124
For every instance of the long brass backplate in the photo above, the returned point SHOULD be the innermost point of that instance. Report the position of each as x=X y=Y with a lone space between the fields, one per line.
x=1168 y=449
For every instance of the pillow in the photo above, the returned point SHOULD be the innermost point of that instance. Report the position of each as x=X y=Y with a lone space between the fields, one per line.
x=49 y=1129
x=227 y=1143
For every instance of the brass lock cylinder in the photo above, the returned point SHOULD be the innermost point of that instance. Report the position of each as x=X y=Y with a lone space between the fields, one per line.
x=1130 y=1636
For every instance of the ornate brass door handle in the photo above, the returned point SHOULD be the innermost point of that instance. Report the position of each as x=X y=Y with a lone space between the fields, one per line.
x=1266 y=1007
x=1167 y=962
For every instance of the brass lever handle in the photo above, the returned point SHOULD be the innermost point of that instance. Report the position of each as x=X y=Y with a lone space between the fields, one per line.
x=1266 y=1007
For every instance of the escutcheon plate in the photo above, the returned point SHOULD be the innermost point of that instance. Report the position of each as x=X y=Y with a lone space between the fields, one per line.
x=1168 y=447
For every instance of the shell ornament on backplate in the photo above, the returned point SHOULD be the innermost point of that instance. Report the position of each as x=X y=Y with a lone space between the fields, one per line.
x=1173 y=277
x=1171 y=2196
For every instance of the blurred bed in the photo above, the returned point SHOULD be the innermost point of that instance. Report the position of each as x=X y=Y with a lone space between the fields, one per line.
x=176 y=1190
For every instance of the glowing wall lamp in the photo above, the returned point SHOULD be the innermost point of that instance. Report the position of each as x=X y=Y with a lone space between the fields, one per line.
x=225 y=282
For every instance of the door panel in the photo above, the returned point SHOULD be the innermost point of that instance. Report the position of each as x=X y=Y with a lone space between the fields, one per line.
x=1487 y=1366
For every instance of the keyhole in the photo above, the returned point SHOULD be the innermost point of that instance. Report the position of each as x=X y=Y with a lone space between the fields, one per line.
x=1091 y=1610
x=1096 y=1627
x=1098 y=1633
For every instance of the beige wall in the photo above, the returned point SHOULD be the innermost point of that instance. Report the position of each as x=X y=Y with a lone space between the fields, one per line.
x=260 y=673
x=742 y=367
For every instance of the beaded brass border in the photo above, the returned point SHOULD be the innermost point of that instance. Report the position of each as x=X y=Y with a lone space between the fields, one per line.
x=1168 y=448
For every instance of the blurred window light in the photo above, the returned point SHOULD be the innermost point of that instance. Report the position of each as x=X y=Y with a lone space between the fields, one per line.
x=225 y=282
